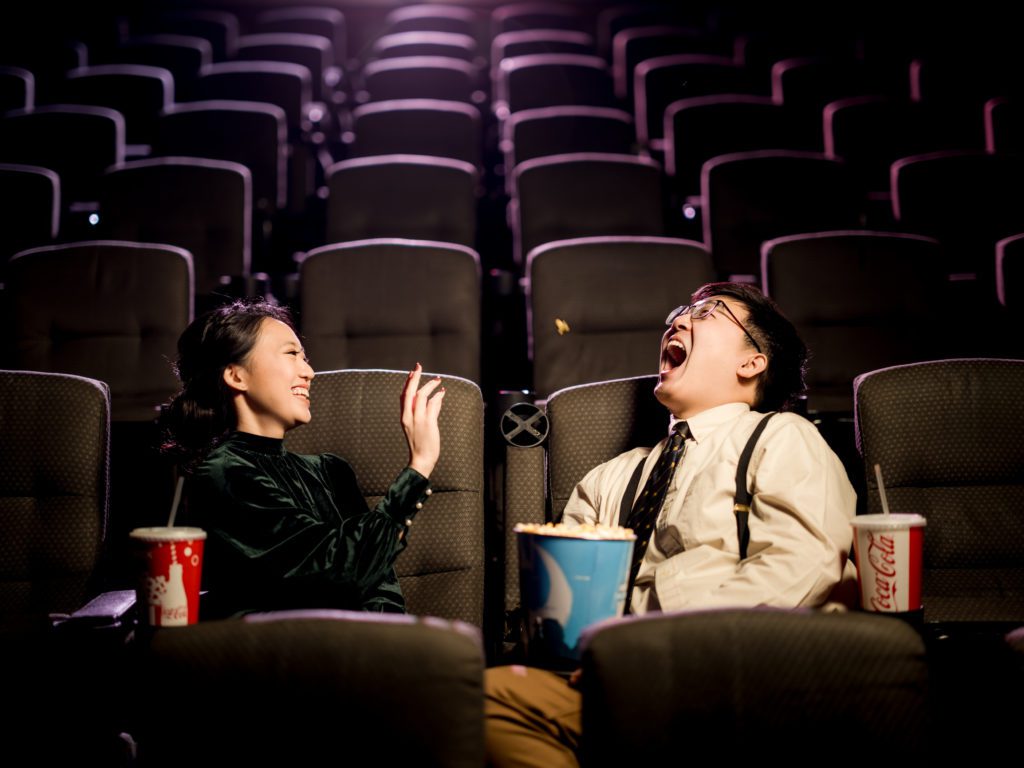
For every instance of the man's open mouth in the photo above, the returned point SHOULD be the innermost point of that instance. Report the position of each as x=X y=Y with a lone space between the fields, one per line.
x=674 y=355
x=301 y=392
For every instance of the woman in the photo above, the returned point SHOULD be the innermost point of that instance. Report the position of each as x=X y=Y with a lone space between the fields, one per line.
x=284 y=530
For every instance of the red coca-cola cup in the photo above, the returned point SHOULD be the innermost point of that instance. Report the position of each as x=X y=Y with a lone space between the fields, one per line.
x=889 y=559
x=170 y=572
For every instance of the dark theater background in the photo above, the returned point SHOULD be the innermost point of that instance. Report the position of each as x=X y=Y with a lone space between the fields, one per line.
x=513 y=194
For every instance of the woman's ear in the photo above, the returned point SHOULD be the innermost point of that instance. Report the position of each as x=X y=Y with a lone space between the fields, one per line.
x=753 y=366
x=236 y=377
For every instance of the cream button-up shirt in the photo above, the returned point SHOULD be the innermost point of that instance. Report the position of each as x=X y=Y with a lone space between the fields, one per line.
x=800 y=533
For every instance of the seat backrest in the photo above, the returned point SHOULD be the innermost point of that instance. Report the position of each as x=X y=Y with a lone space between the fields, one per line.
x=442 y=570
x=313 y=688
x=409 y=196
x=137 y=91
x=313 y=52
x=585 y=194
x=17 y=89
x=553 y=80
x=107 y=310
x=29 y=208
x=252 y=133
x=420 y=77
x=202 y=205
x=184 y=55
x=704 y=127
x=750 y=197
x=967 y=199
x=751 y=677
x=389 y=303
x=77 y=142
x=871 y=132
x=289 y=86
x=559 y=130
x=451 y=44
x=509 y=17
x=54 y=489
x=435 y=17
x=529 y=41
x=308 y=20
x=860 y=300
x=418 y=127
x=636 y=44
x=218 y=28
x=1010 y=274
x=592 y=285
x=662 y=80
x=587 y=425
x=946 y=436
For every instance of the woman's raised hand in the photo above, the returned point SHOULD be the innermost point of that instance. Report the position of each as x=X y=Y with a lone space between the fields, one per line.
x=419 y=420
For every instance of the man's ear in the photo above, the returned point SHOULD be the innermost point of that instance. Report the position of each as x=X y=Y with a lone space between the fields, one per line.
x=236 y=377
x=753 y=366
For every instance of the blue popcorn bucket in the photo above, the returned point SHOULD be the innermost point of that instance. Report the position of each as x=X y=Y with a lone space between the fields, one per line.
x=567 y=581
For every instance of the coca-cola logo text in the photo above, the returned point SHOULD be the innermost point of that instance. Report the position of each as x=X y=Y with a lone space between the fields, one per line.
x=882 y=559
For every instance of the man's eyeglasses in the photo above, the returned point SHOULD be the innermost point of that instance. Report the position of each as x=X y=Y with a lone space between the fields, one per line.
x=705 y=307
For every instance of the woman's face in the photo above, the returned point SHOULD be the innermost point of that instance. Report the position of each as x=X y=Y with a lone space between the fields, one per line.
x=272 y=384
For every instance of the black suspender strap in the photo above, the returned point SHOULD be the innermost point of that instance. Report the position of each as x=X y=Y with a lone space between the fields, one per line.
x=627 y=498
x=741 y=505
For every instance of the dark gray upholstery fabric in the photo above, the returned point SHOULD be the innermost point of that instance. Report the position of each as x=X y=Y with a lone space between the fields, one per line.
x=29 y=208
x=861 y=300
x=108 y=310
x=585 y=194
x=966 y=199
x=418 y=127
x=750 y=197
x=356 y=313
x=555 y=79
x=313 y=688
x=593 y=423
x=423 y=77
x=139 y=93
x=947 y=437
x=613 y=294
x=53 y=489
x=356 y=416
x=251 y=133
x=740 y=683
x=412 y=196
x=41 y=137
x=524 y=502
x=198 y=204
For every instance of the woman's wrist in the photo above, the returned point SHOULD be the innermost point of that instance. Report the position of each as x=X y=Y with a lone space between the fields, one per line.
x=423 y=466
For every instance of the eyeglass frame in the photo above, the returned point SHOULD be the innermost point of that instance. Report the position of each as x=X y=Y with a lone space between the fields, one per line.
x=714 y=304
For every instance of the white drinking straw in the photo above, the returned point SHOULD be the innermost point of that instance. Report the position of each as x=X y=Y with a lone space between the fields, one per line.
x=881 y=489
x=174 y=504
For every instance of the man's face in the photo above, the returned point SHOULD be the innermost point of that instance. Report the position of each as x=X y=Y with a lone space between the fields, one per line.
x=701 y=360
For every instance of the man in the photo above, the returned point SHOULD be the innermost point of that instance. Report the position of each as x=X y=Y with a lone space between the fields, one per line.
x=727 y=358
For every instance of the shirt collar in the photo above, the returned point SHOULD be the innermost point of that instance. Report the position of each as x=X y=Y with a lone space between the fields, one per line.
x=706 y=422
x=271 y=446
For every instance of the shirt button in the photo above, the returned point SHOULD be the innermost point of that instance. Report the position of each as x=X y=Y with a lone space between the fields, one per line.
x=419 y=505
x=428 y=492
x=408 y=521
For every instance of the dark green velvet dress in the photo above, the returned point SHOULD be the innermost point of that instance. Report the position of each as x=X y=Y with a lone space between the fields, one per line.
x=290 y=531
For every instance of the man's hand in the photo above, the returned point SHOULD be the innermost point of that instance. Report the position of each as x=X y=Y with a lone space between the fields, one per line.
x=419 y=420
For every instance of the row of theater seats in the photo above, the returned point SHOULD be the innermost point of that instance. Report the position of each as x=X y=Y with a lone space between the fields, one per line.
x=113 y=310
x=55 y=495
x=871 y=121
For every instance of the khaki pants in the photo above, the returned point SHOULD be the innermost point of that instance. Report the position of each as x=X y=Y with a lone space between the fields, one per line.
x=531 y=718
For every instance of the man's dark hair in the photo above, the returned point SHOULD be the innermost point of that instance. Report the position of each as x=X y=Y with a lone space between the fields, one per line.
x=782 y=383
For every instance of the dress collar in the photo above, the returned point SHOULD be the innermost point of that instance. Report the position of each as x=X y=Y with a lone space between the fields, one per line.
x=706 y=422
x=270 y=446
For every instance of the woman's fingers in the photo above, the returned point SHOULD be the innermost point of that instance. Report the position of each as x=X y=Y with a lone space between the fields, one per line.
x=412 y=383
x=423 y=395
